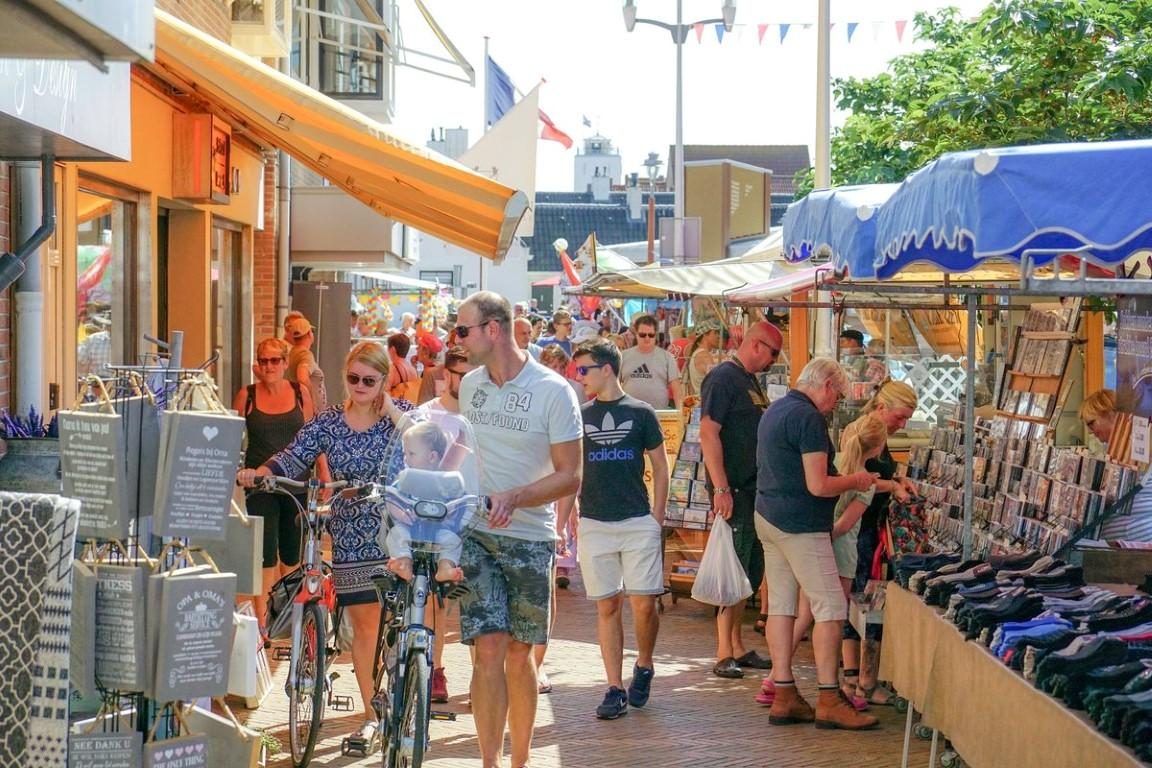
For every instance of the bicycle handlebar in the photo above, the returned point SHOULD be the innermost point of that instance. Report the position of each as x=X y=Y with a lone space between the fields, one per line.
x=271 y=483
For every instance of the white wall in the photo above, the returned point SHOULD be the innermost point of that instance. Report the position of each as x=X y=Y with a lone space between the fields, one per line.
x=509 y=278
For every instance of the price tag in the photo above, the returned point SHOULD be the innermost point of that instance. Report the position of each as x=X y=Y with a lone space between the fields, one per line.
x=1140 y=447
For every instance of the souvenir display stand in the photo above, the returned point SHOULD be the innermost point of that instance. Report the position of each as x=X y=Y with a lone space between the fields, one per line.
x=152 y=615
x=688 y=516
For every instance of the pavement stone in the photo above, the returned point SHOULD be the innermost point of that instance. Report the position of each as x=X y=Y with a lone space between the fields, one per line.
x=692 y=718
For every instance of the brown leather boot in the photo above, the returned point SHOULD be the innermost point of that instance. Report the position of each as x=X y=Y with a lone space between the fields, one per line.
x=833 y=710
x=789 y=707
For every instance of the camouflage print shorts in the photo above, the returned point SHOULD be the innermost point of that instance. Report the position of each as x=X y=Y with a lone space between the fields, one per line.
x=511 y=587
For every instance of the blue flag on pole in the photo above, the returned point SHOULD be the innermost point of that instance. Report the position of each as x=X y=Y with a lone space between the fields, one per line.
x=501 y=93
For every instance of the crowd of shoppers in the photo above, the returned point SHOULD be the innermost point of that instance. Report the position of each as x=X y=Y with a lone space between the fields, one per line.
x=564 y=418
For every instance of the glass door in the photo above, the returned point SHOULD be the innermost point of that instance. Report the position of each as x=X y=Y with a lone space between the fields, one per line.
x=106 y=270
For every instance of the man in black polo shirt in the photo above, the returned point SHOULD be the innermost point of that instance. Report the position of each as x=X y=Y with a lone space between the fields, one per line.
x=797 y=489
x=731 y=401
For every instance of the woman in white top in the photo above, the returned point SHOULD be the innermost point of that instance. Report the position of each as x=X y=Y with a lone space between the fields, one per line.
x=705 y=353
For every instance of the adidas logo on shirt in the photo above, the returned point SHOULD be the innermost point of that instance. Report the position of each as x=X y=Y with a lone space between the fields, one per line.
x=642 y=372
x=609 y=433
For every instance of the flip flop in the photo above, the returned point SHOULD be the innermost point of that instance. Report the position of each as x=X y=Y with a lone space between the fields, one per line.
x=543 y=684
x=869 y=695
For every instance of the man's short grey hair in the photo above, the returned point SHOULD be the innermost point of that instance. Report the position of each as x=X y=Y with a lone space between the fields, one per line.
x=820 y=370
x=492 y=306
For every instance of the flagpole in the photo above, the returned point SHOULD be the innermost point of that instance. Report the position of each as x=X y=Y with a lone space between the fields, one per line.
x=484 y=122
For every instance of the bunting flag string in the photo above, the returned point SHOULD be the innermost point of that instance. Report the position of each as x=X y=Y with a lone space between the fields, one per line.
x=897 y=28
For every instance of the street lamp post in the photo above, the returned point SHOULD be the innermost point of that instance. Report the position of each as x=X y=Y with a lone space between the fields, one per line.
x=679 y=32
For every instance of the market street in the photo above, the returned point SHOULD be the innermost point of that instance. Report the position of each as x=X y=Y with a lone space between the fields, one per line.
x=692 y=715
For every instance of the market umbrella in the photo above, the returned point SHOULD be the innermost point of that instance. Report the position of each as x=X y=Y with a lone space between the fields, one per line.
x=1016 y=203
x=839 y=222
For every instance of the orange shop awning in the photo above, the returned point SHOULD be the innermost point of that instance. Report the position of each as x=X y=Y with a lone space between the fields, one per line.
x=363 y=157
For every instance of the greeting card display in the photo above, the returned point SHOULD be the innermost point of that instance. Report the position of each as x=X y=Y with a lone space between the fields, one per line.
x=92 y=464
x=199 y=454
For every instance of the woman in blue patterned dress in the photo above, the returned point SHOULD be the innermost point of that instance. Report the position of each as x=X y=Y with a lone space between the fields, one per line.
x=355 y=437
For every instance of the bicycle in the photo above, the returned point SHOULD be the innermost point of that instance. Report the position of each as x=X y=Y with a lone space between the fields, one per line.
x=309 y=683
x=430 y=502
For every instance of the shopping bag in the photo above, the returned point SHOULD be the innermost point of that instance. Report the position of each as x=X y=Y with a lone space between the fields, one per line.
x=248 y=676
x=189 y=751
x=907 y=527
x=231 y=743
x=720 y=579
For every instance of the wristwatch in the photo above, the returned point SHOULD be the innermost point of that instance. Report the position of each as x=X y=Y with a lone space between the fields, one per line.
x=716 y=491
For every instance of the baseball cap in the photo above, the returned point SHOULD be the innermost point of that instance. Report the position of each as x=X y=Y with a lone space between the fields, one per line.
x=298 y=327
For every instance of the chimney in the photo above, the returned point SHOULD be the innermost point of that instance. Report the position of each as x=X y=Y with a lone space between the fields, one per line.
x=632 y=195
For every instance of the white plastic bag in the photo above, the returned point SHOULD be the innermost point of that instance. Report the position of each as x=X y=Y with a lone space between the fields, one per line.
x=721 y=579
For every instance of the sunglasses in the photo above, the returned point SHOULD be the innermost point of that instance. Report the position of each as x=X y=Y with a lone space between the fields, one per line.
x=646 y=335
x=368 y=381
x=583 y=369
x=563 y=322
x=463 y=330
x=269 y=360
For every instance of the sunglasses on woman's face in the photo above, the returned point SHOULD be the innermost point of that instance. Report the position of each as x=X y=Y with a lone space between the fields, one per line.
x=368 y=381
x=269 y=360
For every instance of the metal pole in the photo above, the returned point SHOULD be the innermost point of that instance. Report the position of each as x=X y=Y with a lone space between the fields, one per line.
x=969 y=426
x=678 y=221
x=823 y=96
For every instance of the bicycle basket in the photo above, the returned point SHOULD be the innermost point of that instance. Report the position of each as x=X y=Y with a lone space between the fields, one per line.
x=278 y=619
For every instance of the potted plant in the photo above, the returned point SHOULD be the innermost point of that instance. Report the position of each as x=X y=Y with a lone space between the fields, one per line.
x=29 y=453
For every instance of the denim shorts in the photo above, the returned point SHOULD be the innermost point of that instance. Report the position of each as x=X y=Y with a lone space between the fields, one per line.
x=510 y=584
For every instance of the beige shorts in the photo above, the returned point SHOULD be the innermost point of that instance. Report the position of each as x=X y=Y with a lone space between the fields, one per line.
x=620 y=556
x=795 y=561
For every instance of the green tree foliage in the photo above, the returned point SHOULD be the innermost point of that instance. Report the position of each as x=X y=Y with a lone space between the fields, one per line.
x=1023 y=72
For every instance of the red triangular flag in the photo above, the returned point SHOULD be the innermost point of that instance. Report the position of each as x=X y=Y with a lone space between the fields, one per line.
x=760 y=30
x=900 y=30
x=699 y=32
x=552 y=133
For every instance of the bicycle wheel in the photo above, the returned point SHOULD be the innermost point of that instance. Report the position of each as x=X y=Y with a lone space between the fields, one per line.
x=306 y=699
x=410 y=715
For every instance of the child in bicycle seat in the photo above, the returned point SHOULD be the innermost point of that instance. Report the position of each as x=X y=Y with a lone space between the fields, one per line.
x=424 y=447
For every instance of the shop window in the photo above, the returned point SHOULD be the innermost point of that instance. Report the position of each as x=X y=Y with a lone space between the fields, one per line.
x=351 y=56
x=106 y=269
x=227 y=308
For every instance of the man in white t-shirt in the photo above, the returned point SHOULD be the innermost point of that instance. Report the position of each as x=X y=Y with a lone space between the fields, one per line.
x=528 y=435
x=649 y=372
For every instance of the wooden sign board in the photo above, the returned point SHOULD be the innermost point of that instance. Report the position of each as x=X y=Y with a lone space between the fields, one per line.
x=201 y=158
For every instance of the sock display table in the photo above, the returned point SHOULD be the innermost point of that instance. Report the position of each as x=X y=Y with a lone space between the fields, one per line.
x=991 y=714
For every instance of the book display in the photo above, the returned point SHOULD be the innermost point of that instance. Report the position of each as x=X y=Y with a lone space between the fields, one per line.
x=1033 y=388
x=687 y=516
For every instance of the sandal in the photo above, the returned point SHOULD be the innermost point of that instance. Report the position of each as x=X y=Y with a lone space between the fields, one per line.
x=543 y=684
x=761 y=625
x=869 y=695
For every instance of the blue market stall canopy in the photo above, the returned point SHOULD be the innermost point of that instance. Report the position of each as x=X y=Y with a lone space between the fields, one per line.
x=840 y=221
x=1013 y=202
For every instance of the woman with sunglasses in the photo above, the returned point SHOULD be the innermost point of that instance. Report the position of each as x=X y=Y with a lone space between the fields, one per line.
x=274 y=409
x=354 y=436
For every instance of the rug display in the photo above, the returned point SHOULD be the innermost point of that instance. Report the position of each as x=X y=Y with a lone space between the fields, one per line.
x=37 y=536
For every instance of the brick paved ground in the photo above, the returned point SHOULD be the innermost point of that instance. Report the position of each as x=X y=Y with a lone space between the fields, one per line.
x=693 y=718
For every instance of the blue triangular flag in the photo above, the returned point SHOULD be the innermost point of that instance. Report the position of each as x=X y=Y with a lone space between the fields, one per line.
x=784 y=32
x=719 y=33
x=852 y=29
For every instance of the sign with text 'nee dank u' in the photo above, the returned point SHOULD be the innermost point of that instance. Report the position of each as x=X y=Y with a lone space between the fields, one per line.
x=199 y=456
x=105 y=750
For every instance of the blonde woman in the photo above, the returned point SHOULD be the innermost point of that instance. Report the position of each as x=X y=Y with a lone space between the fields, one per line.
x=1098 y=412
x=706 y=352
x=355 y=436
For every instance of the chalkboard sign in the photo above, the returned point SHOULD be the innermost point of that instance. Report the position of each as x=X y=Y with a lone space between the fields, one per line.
x=105 y=750
x=120 y=626
x=195 y=636
x=93 y=469
x=184 y=752
x=200 y=454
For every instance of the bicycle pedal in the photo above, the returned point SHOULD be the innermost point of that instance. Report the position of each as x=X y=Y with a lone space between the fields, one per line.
x=445 y=717
x=340 y=703
x=456 y=591
x=354 y=745
x=282 y=653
